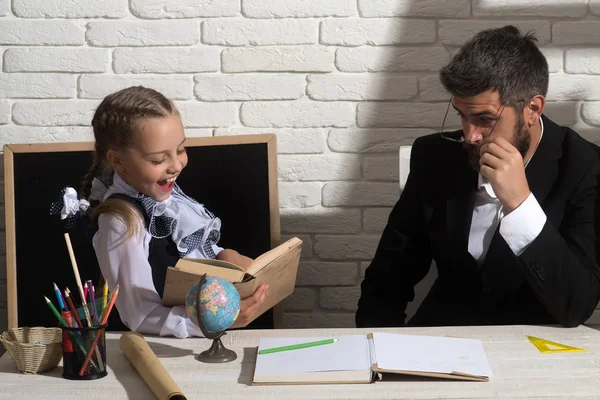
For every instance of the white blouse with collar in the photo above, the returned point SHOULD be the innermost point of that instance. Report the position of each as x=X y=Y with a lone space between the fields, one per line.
x=125 y=262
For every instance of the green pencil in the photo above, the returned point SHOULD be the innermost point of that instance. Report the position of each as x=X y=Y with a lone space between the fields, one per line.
x=55 y=311
x=297 y=346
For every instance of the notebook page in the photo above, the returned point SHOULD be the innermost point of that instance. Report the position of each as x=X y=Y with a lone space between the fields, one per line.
x=349 y=353
x=431 y=354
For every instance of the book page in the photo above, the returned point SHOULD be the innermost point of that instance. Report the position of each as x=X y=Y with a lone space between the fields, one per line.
x=349 y=353
x=431 y=354
x=270 y=256
x=210 y=268
x=191 y=264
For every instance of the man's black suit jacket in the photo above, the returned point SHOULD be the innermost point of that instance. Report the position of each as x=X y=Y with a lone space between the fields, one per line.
x=555 y=280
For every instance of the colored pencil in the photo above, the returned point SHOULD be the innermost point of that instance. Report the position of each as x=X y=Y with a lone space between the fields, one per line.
x=297 y=346
x=111 y=301
x=92 y=293
x=72 y=307
x=104 y=296
x=56 y=313
x=89 y=285
x=67 y=342
x=61 y=302
x=88 y=357
x=77 y=278
x=64 y=324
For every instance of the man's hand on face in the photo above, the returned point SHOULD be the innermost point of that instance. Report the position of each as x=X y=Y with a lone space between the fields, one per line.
x=502 y=165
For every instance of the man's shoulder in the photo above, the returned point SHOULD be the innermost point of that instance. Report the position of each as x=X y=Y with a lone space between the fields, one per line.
x=579 y=151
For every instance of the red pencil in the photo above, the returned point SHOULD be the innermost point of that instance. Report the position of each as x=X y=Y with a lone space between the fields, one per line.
x=68 y=345
x=111 y=303
x=72 y=307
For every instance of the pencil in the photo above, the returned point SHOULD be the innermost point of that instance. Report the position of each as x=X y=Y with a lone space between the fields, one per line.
x=72 y=307
x=61 y=303
x=104 y=295
x=67 y=342
x=88 y=357
x=297 y=346
x=55 y=311
x=92 y=293
x=77 y=278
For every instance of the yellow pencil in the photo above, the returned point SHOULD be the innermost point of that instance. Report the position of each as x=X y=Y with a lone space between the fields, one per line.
x=105 y=295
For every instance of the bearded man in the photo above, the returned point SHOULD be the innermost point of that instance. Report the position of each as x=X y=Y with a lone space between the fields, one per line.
x=507 y=207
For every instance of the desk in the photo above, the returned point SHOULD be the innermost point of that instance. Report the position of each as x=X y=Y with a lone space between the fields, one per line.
x=520 y=370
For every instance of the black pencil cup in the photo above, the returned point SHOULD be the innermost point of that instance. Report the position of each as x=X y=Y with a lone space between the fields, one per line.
x=84 y=353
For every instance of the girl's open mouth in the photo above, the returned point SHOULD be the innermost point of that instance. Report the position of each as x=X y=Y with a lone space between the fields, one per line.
x=167 y=184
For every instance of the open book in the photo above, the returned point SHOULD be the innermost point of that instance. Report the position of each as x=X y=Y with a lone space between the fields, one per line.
x=367 y=358
x=277 y=267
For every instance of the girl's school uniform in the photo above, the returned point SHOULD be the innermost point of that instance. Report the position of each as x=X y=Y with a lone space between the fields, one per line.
x=174 y=228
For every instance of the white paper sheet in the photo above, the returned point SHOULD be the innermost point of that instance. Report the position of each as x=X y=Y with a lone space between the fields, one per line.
x=431 y=354
x=349 y=353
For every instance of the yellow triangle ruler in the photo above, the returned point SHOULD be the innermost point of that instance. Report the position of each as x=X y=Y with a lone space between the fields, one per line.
x=546 y=346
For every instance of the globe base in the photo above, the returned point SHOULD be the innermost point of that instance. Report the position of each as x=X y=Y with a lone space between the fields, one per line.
x=217 y=353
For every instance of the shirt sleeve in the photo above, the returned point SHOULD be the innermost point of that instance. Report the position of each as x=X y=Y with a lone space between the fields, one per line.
x=124 y=261
x=523 y=225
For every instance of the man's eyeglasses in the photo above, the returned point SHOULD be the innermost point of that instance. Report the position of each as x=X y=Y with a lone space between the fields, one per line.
x=461 y=139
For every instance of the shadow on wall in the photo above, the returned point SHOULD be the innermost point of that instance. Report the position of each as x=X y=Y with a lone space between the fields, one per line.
x=404 y=98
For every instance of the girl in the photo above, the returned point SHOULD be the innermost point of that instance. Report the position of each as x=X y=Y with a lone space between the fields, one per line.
x=145 y=222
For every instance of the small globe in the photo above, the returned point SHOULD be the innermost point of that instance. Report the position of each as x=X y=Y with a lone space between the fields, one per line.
x=219 y=304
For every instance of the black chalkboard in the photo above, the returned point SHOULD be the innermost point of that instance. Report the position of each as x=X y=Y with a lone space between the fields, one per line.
x=233 y=176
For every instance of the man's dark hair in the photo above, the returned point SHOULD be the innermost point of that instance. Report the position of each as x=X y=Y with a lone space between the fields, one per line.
x=501 y=59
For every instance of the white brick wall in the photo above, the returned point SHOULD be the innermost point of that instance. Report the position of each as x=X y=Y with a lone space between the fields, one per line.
x=55 y=60
x=70 y=9
x=243 y=32
x=249 y=87
x=155 y=33
x=278 y=59
x=343 y=84
x=157 y=9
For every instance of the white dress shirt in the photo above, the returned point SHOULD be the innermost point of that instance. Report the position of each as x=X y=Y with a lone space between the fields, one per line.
x=125 y=262
x=519 y=228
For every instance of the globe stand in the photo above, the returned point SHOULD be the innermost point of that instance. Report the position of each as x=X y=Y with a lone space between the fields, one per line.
x=217 y=352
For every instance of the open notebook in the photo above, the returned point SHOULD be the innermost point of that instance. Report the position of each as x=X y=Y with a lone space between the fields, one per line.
x=366 y=358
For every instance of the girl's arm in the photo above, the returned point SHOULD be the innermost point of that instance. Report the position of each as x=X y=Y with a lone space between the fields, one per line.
x=125 y=262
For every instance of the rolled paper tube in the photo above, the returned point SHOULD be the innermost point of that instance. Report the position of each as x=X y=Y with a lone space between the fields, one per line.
x=152 y=371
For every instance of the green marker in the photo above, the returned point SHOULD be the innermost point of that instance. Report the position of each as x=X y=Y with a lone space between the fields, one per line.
x=297 y=346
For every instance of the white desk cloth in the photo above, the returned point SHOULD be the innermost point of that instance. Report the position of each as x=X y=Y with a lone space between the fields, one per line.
x=520 y=370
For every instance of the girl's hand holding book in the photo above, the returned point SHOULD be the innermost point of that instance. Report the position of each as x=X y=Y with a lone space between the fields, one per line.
x=250 y=305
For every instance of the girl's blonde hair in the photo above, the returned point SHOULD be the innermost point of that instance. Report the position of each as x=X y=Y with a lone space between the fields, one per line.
x=115 y=121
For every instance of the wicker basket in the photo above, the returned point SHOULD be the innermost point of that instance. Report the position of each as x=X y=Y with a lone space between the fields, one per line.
x=33 y=350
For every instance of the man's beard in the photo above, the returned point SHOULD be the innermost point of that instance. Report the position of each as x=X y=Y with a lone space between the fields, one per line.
x=521 y=140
